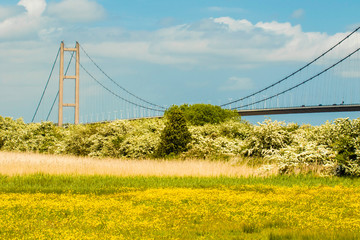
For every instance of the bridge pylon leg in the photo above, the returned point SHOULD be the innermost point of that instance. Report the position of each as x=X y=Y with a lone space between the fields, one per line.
x=61 y=83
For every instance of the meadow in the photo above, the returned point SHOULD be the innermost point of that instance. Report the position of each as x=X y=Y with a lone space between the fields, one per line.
x=210 y=203
x=247 y=212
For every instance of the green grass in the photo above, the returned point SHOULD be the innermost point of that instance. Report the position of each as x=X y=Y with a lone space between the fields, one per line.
x=110 y=184
x=308 y=235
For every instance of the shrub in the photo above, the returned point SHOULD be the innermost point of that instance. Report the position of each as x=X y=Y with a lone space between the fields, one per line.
x=200 y=114
x=235 y=129
x=12 y=134
x=43 y=137
x=266 y=137
x=142 y=139
x=347 y=145
x=216 y=142
x=175 y=137
x=79 y=141
x=299 y=157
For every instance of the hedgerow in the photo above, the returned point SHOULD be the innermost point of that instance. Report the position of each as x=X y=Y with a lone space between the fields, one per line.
x=334 y=146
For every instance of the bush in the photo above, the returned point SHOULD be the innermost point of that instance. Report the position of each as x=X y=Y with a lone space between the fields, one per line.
x=200 y=114
x=12 y=134
x=347 y=145
x=79 y=142
x=217 y=142
x=44 y=137
x=175 y=137
x=267 y=137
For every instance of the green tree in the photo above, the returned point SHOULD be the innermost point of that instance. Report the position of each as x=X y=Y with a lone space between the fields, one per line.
x=175 y=137
x=201 y=114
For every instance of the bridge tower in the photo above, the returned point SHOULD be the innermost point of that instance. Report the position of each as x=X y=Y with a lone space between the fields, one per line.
x=61 y=83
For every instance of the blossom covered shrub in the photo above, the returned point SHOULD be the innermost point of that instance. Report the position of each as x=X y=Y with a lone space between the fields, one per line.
x=221 y=141
x=42 y=137
x=334 y=146
x=130 y=139
x=267 y=137
x=343 y=136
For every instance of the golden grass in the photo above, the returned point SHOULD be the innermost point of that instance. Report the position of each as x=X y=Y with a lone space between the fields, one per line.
x=12 y=163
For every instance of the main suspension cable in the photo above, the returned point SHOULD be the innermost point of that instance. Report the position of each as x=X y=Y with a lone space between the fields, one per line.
x=297 y=85
x=46 y=85
x=113 y=81
x=116 y=95
x=292 y=74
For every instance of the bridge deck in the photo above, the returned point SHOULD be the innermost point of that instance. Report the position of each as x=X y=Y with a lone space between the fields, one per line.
x=304 y=109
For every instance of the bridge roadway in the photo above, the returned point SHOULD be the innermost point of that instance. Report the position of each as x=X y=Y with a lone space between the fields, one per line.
x=302 y=109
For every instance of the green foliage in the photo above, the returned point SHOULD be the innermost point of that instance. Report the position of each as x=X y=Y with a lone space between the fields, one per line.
x=44 y=137
x=11 y=133
x=333 y=146
x=346 y=143
x=175 y=137
x=343 y=137
x=200 y=114
x=81 y=140
x=99 y=185
x=131 y=139
x=37 y=137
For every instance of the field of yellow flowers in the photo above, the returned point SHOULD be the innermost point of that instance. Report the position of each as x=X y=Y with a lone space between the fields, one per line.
x=250 y=211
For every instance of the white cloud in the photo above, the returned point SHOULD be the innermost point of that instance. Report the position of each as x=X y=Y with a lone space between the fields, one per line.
x=237 y=83
x=299 y=13
x=235 y=25
x=279 y=28
x=27 y=23
x=34 y=19
x=76 y=10
x=218 y=43
x=33 y=7
x=138 y=50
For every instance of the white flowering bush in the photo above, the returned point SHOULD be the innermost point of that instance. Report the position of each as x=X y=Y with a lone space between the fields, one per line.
x=297 y=157
x=43 y=137
x=39 y=137
x=12 y=134
x=142 y=140
x=221 y=141
x=132 y=139
x=333 y=147
x=235 y=129
x=343 y=136
x=268 y=136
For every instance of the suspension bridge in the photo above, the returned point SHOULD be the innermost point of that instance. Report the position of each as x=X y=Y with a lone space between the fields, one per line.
x=328 y=83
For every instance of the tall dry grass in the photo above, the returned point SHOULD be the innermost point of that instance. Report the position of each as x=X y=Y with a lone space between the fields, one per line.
x=12 y=163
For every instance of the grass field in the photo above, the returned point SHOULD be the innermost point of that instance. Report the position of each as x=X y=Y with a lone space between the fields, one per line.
x=13 y=163
x=207 y=204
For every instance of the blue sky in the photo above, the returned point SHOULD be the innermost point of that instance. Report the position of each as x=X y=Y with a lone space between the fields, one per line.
x=169 y=52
